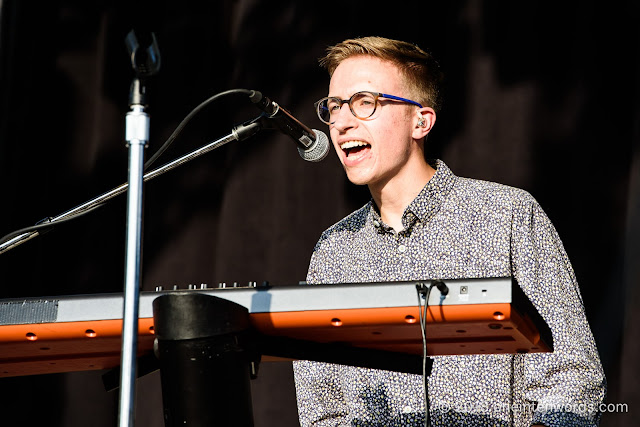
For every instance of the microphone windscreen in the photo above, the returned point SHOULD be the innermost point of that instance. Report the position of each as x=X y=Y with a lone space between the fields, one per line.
x=318 y=150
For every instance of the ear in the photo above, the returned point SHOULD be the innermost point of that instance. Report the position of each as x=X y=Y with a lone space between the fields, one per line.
x=424 y=121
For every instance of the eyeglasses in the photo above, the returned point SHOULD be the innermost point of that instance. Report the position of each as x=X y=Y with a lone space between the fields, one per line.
x=362 y=105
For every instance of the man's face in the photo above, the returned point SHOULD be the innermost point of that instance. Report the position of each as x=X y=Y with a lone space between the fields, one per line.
x=375 y=150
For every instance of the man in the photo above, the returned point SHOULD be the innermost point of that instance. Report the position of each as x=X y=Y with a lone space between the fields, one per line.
x=423 y=222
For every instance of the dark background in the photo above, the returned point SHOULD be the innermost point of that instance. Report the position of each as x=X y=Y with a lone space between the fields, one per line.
x=541 y=96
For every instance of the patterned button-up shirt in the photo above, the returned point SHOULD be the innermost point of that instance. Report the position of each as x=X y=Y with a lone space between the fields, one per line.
x=459 y=228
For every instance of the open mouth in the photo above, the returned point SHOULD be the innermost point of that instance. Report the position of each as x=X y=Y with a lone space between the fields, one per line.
x=354 y=147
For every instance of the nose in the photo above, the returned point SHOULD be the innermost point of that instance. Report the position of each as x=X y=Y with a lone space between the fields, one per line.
x=344 y=119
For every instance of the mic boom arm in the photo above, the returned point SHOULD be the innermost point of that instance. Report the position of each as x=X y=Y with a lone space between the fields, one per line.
x=239 y=133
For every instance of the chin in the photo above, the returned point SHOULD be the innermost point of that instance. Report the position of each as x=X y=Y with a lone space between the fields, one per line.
x=356 y=182
x=358 y=179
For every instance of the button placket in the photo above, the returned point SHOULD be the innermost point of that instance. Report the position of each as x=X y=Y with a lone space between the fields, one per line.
x=402 y=238
x=401 y=243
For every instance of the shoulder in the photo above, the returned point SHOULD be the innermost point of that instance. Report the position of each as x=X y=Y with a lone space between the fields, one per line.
x=472 y=194
x=337 y=245
x=352 y=223
x=486 y=189
x=495 y=203
x=479 y=194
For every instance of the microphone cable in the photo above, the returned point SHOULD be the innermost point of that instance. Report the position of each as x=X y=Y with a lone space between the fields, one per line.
x=424 y=292
x=188 y=118
x=43 y=226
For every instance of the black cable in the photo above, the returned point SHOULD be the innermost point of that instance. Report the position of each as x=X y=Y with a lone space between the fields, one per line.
x=186 y=120
x=422 y=312
x=425 y=292
x=43 y=224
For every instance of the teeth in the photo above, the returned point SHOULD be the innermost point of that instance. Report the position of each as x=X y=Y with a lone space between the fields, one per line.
x=353 y=144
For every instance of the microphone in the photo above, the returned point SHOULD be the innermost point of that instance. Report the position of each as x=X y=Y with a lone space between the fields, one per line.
x=313 y=145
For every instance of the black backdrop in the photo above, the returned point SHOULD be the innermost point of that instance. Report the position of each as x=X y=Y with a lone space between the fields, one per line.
x=539 y=96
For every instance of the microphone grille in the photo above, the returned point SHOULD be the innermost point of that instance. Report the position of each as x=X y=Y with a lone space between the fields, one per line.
x=318 y=150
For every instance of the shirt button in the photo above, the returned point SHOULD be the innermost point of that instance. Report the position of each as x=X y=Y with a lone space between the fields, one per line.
x=376 y=224
x=406 y=409
x=402 y=248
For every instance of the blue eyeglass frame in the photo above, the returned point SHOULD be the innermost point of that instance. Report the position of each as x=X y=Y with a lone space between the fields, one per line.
x=348 y=101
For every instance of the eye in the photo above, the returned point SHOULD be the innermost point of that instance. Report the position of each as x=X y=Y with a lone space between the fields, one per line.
x=333 y=105
x=364 y=100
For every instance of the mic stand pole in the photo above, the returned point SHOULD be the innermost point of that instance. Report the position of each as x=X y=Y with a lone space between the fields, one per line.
x=137 y=136
x=145 y=63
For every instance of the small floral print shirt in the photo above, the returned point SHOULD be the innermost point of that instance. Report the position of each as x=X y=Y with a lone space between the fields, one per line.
x=459 y=228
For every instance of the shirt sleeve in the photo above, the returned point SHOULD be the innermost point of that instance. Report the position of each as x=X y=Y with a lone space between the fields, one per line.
x=314 y=273
x=567 y=385
x=318 y=390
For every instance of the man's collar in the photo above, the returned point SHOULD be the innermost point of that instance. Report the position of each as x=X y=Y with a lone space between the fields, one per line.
x=428 y=202
x=433 y=195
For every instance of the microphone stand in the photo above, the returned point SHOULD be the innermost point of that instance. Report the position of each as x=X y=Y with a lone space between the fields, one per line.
x=145 y=64
x=137 y=131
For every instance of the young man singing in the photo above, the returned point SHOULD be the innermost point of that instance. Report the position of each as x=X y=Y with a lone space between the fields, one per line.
x=424 y=222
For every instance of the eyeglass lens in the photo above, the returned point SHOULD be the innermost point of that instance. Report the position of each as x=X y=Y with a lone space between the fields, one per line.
x=361 y=104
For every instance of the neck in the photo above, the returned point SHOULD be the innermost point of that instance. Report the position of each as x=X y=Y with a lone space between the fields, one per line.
x=393 y=196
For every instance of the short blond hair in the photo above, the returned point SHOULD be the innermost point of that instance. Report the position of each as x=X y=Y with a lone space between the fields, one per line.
x=420 y=70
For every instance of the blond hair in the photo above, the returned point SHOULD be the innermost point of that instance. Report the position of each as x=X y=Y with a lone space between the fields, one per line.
x=421 y=72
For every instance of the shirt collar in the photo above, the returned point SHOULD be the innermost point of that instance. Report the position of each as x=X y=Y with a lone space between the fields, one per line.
x=427 y=203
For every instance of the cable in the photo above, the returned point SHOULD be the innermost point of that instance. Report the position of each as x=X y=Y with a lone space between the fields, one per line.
x=422 y=312
x=186 y=120
x=425 y=292
x=43 y=224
